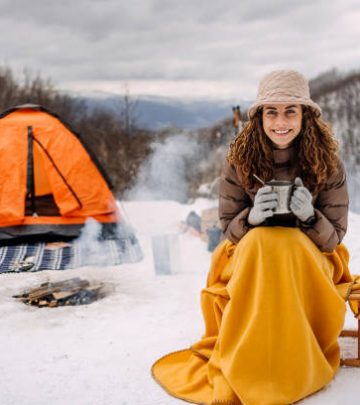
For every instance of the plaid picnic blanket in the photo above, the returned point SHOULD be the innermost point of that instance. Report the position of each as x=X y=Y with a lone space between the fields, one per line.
x=69 y=255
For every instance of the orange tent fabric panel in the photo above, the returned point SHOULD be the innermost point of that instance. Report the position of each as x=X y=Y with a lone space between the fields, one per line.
x=42 y=185
x=13 y=161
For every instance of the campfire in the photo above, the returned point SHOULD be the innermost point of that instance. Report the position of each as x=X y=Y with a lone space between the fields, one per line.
x=68 y=292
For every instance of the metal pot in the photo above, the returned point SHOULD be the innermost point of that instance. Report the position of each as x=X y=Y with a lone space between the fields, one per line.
x=284 y=189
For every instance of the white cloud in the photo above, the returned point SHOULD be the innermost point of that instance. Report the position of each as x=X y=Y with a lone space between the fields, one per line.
x=206 y=41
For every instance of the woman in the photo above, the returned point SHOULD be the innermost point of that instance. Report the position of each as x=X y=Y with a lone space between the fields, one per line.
x=274 y=304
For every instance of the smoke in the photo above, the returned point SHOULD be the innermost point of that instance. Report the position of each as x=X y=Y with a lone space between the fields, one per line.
x=91 y=248
x=88 y=244
x=164 y=175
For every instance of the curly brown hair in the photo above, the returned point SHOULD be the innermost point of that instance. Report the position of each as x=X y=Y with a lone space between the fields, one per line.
x=316 y=151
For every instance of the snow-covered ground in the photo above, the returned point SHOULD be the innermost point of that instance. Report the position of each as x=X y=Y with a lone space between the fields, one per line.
x=101 y=354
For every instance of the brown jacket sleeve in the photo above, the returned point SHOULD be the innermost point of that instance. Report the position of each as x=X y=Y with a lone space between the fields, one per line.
x=234 y=205
x=331 y=210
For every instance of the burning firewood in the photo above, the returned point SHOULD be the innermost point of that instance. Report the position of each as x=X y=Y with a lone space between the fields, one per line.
x=68 y=292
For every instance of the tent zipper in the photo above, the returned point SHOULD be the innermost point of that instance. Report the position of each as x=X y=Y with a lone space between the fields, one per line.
x=30 y=182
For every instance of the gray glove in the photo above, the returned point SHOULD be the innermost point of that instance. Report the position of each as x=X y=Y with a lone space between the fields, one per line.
x=264 y=203
x=301 y=201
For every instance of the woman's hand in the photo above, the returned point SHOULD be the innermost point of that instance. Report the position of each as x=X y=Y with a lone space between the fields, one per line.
x=301 y=202
x=264 y=203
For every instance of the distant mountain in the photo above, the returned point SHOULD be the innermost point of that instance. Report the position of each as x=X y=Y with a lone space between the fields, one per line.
x=153 y=112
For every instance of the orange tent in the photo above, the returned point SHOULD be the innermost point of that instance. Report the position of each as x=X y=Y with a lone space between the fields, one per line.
x=49 y=181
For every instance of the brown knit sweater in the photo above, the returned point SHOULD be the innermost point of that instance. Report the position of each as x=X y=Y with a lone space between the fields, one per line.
x=330 y=203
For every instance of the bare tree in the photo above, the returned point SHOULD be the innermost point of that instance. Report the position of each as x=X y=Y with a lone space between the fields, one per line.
x=128 y=113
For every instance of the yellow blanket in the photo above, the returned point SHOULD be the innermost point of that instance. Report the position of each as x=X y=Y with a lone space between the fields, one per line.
x=273 y=308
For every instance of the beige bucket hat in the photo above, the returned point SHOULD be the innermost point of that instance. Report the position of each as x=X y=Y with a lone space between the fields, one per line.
x=283 y=86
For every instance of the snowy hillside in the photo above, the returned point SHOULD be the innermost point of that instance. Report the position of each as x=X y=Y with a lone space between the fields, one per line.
x=339 y=98
x=100 y=354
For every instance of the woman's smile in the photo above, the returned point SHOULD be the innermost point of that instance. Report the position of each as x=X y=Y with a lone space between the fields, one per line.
x=282 y=131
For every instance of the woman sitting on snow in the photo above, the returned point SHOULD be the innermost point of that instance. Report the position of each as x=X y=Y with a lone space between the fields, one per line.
x=274 y=305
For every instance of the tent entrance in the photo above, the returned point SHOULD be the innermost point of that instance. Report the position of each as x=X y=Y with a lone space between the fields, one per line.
x=39 y=197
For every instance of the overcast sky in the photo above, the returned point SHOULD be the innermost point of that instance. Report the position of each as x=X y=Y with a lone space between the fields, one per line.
x=181 y=48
